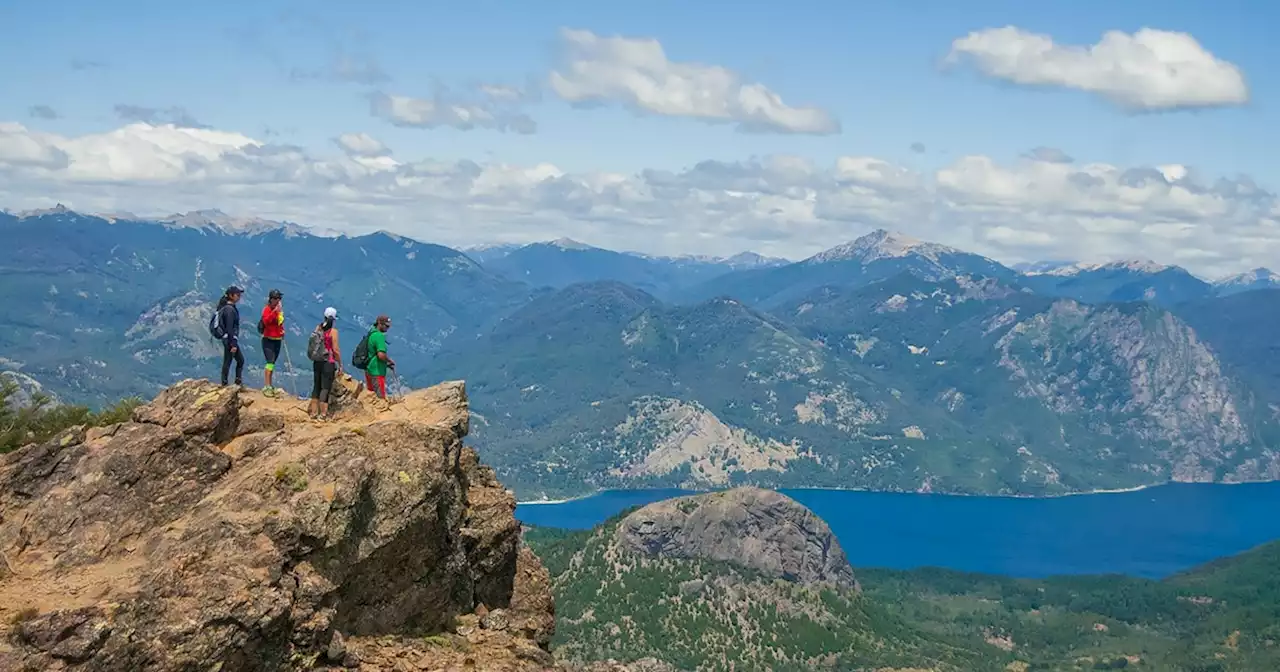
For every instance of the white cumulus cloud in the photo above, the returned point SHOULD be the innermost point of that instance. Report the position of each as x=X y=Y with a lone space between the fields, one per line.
x=361 y=144
x=636 y=72
x=1024 y=210
x=494 y=110
x=1148 y=70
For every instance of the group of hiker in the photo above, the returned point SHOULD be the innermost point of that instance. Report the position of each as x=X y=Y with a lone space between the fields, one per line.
x=323 y=349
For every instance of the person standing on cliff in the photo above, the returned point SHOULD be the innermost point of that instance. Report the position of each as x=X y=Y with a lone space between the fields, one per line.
x=272 y=337
x=229 y=320
x=326 y=368
x=375 y=374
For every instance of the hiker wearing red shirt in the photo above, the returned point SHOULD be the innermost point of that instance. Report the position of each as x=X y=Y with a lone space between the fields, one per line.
x=272 y=328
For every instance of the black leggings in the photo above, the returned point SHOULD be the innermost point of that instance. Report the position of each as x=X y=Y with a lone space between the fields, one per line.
x=322 y=380
x=271 y=350
x=227 y=356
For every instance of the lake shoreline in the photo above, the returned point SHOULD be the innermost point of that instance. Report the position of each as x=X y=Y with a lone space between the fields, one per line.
x=1106 y=491
x=1151 y=531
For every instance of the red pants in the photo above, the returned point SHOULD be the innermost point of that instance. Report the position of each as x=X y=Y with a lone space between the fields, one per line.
x=382 y=384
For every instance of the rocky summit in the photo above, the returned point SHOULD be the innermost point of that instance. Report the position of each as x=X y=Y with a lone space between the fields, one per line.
x=758 y=529
x=221 y=530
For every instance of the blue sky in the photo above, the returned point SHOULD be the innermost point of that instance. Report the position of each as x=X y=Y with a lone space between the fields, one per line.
x=877 y=69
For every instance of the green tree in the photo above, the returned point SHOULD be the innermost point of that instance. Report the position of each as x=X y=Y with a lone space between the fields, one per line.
x=37 y=419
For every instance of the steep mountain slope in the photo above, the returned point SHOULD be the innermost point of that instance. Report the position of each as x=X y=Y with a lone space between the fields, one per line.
x=1138 y=280
x=120 y=307
x=612 y=600
x=1242 y=329
x=873 y=257
x=1081 y=394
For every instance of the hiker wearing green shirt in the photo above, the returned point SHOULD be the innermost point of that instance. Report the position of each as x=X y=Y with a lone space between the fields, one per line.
x=375 y=374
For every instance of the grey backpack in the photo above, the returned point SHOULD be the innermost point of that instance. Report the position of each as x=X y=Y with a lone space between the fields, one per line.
x=316 y=351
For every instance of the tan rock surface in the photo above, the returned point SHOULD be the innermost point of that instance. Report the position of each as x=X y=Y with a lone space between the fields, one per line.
x=223 y=530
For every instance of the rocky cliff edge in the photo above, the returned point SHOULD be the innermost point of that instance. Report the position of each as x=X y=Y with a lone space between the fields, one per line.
x=221 y=530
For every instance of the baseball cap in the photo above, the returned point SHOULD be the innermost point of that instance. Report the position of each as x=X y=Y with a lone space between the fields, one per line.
x=331 y=312
x=233 y=290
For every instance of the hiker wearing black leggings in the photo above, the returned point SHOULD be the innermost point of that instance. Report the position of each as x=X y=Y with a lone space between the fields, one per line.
x=229 y=318
x=324 y=371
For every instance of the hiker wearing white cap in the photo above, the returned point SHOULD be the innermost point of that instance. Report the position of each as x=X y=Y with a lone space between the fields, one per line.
x=326 y=359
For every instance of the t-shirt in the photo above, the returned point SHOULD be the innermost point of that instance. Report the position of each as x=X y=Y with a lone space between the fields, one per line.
x=377 y=343
x=274 y=322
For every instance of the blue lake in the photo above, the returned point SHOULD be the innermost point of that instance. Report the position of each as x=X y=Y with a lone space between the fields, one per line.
x=1150 y=533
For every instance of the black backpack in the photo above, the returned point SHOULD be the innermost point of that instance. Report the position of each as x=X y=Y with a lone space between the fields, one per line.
x=215 y=324
x=360 y=358
x=262 y=326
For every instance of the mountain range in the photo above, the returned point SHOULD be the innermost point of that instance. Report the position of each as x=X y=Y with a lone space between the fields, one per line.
x=885 y=363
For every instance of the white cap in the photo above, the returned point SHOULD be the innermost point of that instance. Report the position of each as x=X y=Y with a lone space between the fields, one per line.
x=331 y=312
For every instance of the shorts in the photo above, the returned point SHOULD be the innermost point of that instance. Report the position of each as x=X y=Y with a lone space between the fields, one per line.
x=271 y=351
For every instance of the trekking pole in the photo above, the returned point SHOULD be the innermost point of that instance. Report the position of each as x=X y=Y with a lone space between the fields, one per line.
x=293 y=385
x=399 y=386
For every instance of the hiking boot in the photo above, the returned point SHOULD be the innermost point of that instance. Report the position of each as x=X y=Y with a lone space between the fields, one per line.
x=268 y=391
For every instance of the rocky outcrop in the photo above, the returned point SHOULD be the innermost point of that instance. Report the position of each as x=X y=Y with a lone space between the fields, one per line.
x=754 y=528
x=220 y=530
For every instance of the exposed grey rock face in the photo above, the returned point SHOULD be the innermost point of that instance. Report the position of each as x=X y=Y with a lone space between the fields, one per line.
x=1140 y=372
x=750 y=527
